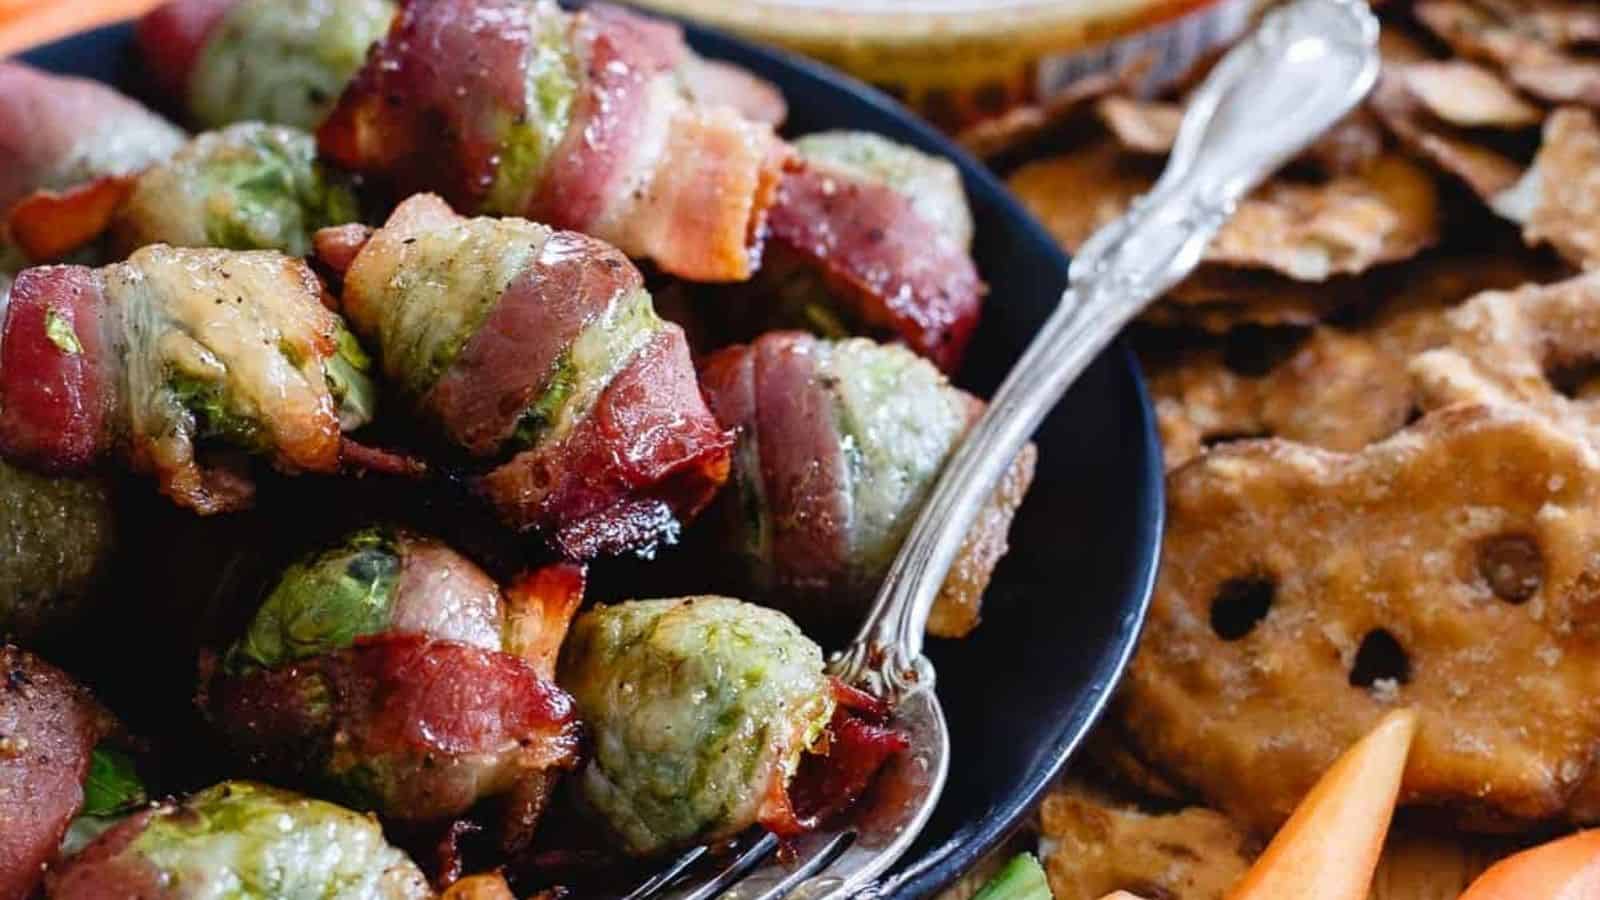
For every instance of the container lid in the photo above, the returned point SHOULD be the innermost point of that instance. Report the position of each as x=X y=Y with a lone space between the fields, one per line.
x=960 y=61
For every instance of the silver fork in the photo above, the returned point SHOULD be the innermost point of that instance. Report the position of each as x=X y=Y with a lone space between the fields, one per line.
x=1308 y=64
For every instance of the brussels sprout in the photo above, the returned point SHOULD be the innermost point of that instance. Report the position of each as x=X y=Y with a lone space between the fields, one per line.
x=243 y=840
x=899 y=419
x=932 y=184
x=283 y=61
x=324 y=603
x=56 y=540
x=550 y=82
x=696 y=707
x=358 y=588
x=874 y=425
x=248 y=187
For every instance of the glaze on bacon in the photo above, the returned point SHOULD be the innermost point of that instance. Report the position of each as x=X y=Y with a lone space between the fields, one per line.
x=885 y=230
x=585 y=121
x=49 y=726
x=538 y=351
x=175 y=351
x=839 y=443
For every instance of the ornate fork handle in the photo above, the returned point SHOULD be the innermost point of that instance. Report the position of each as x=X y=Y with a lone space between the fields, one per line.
x=1308 y=65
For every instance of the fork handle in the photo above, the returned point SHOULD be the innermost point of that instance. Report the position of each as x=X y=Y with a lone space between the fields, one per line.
x=1308 y=65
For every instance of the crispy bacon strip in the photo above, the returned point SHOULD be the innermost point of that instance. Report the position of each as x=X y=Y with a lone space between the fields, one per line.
x=894 y=268
x=539 y=610
x=406 y=695
x=56 y=132
x=637 y=162
x=833 y=777
x=57 y=403
x=648 y=457
x=48 y=727
x=48 y=225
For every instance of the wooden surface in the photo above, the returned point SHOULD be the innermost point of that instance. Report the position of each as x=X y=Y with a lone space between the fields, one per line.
x=24 y=23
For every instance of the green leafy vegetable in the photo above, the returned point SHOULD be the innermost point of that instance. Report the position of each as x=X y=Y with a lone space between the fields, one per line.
x=1021 y=879
x=215 y=419
x=113 y=785
x=60 y=333
x=324 y=603
x=550 y=84
x=268 y=192
x=352 y=389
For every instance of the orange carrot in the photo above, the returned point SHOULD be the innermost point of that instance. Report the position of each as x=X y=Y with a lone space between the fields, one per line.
x=1567 y=869
x=1329 y=848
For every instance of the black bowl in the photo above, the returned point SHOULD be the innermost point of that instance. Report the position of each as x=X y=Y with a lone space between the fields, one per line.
x=1065 y=607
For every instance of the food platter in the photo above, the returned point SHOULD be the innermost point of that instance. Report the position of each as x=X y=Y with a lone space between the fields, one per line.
x=1062 y=612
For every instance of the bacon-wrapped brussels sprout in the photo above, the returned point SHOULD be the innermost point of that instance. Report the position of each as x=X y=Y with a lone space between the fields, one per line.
x=247 y=187
x=70 y=144
x=171 y=355
x=242 y=840
x=280 y=61
x=700 y=709
x=540 y=351
x=49 y=728
x=839 y=443
x=58 y=132
x=582 y=120
x=873 y=237
x=393 y=671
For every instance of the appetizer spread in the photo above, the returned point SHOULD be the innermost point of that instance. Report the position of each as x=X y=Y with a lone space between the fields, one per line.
x=389 y=322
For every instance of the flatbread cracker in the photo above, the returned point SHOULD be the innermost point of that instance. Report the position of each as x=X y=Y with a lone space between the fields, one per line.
x=1339 y=387
x=1453 y=568
x=1151 y=127
x=1076 y=193
x=1486 y=171
x=1530 y=43
x=1091 y=846
x=1557 y=201
x=1307 y=231
x=1093 y=843
x=1143 y=126
x=1533 y=348
x=1346 y=225
x=1466 y=94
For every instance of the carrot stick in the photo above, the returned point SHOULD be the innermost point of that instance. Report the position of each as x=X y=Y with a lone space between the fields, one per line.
x=1330 y=846
x=1565 y=869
